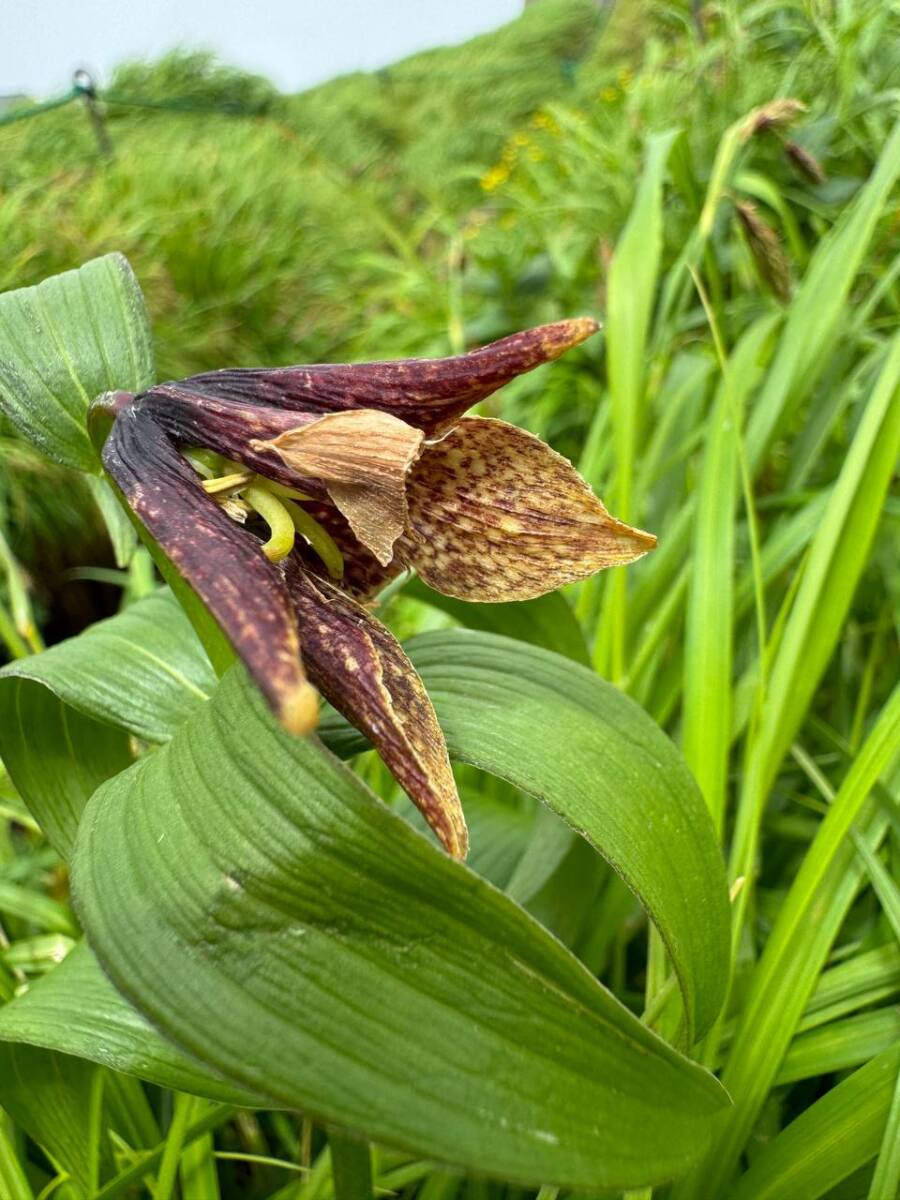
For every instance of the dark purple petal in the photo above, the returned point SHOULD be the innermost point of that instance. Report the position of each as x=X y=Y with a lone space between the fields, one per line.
x=361 y=669
x=228 y=427
x=363 y=576
x=221 y=561
x=430 y=394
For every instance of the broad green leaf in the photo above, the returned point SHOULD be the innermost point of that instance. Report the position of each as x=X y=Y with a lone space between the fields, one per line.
x=320 y=950
x=142 y=670
x=546 y=621
x=491 y=694
x=829 y=1141
x=550 y=841
x=75 y=1010
x=55 y=755
x=556 y=730
x=58 y=1101
x=65 y=341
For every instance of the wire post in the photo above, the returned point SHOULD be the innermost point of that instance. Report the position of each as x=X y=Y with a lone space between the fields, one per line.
x=84 y=85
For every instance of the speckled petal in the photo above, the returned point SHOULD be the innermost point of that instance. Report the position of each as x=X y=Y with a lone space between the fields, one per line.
x=362 y=670
x=221 y=561
x=495 y=514
x=430 y=394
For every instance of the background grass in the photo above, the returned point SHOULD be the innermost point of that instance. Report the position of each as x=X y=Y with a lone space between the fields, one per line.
x=742 y=404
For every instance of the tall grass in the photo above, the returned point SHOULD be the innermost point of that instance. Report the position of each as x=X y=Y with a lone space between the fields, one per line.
x=560 y=166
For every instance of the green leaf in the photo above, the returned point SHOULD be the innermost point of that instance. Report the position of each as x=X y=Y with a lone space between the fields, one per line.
x=840 y=1044
x=57 y=1100
x=122 y=533
x=829 y=1141
x=556 y=730
x=819 y=305
x=147 y=673
x=35 y=908
x=709 y=632
x=861 y=981
x=65 y=341
x=835 y=562
x=886 y=1179
x=55 y=755
x=808 y=922
x=632 y=287
x=546 y=621
x=837 y=556
x=13 y=1182
x=143 y=670
x=320 y=950
x=75 y=1010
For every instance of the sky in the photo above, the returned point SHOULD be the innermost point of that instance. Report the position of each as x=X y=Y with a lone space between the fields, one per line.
x=296 y=43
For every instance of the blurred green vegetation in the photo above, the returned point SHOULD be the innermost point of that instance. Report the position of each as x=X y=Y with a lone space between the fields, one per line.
x=439 y=203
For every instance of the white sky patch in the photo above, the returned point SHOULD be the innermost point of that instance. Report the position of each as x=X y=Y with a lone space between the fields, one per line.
x=295 y=43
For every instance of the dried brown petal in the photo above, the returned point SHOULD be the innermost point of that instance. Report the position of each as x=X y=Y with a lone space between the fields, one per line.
x=363 y=457
x=362 y=670
x=244 y=592
x=495 y=514
x=430 y=394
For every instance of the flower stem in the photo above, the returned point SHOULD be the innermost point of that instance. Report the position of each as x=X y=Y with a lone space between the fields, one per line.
x=318 y=537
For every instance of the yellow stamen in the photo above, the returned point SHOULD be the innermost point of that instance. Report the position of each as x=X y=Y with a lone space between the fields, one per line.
x=275 y=504
x=277 y=517
x=226 y=483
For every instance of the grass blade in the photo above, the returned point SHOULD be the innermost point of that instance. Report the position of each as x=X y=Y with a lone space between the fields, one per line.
x=836 y=559
x=706 y=709
x=796 y=950
x=829 y=1141
x=632 y=287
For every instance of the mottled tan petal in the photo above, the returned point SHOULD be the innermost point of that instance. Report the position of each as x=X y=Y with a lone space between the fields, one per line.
x=221 y=561
x=361 y=669
x=495 y=514
x=363 y=457
x=429 y=393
